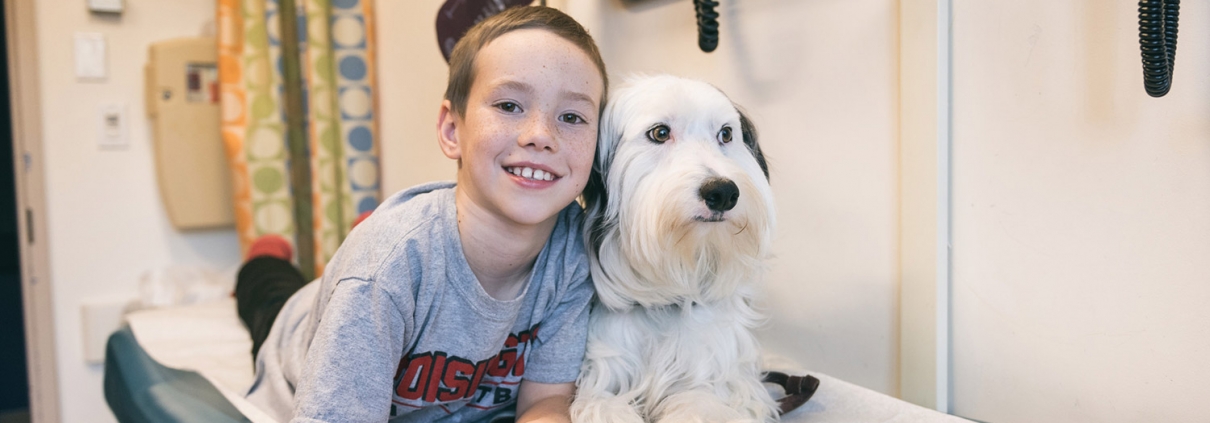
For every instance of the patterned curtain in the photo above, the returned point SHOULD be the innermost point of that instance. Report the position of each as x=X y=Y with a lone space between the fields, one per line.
x=298 y=119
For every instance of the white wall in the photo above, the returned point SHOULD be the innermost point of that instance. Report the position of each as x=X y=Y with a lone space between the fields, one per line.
x=411 y=84
x=1081 y=216
x=820 y=80
x=106 y=222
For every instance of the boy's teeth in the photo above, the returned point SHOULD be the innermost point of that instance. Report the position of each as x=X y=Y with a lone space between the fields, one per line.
x=531 y=173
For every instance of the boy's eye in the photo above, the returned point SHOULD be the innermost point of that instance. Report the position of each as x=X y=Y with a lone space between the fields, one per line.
x=571 y=118
x=508 y=106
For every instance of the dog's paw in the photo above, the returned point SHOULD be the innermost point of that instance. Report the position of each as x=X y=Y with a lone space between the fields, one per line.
x=698 y=407
x=604 y=410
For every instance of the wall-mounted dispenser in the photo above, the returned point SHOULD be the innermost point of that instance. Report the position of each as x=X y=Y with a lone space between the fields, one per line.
x=183 y=105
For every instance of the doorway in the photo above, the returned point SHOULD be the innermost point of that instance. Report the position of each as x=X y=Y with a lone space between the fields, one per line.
x=14 y=382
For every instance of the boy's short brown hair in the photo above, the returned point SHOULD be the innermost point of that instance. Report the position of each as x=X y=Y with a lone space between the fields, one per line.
x=462 y=59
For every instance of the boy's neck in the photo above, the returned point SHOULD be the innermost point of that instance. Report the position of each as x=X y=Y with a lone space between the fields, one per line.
x=500 y=253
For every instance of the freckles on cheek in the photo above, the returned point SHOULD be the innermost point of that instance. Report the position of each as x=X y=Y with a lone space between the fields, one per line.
x=585 y=149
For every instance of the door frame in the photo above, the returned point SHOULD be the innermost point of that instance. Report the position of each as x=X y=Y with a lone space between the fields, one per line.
x=26 y=105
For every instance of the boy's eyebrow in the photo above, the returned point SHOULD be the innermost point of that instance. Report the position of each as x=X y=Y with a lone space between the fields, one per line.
x=512 y=84
x=515 y=85
x=579 y=96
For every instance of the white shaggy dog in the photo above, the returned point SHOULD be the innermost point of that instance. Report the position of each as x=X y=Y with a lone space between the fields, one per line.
x=679 y=221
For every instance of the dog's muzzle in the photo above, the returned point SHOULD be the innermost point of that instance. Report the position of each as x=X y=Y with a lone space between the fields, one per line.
x=720 y=194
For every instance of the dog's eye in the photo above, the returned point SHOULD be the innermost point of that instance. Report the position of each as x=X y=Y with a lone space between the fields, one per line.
x=659 y=133
x=724 y=136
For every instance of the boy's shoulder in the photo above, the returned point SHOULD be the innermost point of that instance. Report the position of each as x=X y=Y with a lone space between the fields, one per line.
x=408 y=206
x=433 y=204
x=405 y=211
x=421 y=214
x=424 y=219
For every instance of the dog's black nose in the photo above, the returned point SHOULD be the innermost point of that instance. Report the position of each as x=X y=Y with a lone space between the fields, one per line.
x=720 y=194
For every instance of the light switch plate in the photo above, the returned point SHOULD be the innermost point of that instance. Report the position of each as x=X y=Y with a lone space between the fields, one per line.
x=90 y=56
x=105 y=6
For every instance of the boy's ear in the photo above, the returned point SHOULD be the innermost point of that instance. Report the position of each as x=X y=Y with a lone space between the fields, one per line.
x=447 y=131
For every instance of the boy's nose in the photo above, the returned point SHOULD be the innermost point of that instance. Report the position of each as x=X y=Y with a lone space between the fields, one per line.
x=538 y=134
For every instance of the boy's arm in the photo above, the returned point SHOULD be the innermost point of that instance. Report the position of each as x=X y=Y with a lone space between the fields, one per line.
x=544 y=402
x=349 y=369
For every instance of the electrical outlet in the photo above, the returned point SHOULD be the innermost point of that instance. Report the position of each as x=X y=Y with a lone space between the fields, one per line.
x=111 y=126
x=101 y=317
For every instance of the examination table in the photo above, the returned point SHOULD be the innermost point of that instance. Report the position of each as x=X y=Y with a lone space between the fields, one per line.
x=192 y=364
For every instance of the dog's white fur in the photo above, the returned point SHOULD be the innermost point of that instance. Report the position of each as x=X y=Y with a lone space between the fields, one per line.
x=669 y=338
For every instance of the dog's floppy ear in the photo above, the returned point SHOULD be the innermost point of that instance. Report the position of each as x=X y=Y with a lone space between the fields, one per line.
x=595 y=201
x=749 y=132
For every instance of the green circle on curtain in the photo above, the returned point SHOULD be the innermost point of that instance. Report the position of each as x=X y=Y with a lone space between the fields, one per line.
x=262 y=106
x=323 y=66
x=256 y=36
x=332 y=212
x=327 y=139
x=268 y=180
x=317 y=26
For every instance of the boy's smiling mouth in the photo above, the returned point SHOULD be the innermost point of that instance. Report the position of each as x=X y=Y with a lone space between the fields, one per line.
x=531 y=173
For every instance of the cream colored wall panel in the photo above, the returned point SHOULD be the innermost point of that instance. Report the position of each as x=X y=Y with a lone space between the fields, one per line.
x=1080 y=216
x=923 y=203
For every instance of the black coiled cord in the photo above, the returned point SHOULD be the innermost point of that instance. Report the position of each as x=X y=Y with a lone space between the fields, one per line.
x=1157 y=38
x=707 y=24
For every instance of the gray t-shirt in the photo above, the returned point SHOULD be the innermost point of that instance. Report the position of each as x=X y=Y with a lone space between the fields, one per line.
x=399 y=328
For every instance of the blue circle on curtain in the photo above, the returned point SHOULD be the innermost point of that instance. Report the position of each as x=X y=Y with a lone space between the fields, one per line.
x=345 y=4
x=352 y=68
x=361 y=139
x=301 y=27
x=366 y=204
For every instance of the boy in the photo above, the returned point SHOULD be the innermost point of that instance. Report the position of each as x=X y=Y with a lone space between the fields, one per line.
x=454 y=301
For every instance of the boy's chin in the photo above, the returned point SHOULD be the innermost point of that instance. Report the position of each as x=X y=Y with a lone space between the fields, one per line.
x=523 y=207
x=531 y=214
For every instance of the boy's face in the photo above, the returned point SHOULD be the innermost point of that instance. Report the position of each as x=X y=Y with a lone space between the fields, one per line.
x=527 y=139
